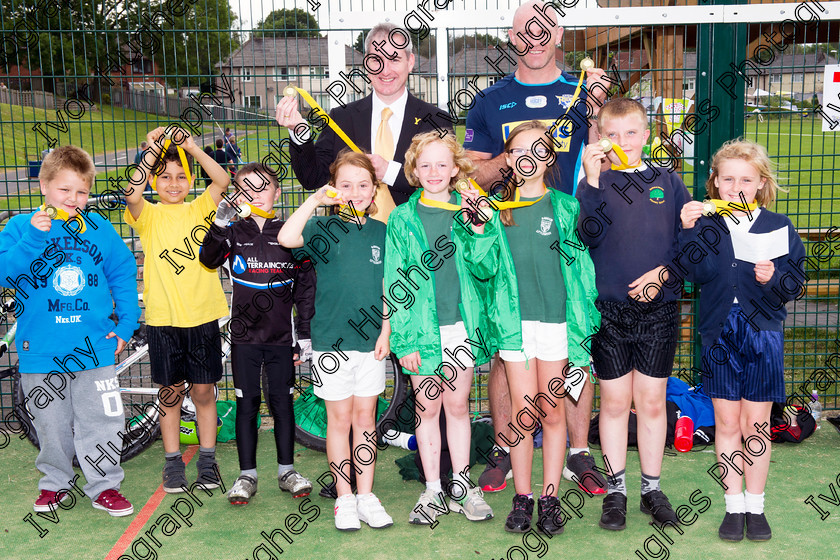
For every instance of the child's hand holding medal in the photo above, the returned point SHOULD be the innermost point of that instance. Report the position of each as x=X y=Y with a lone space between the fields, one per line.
x=477 y=207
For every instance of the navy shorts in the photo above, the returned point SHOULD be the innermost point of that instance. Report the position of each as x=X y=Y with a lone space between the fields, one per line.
x=745 y=363
x=193 y=354
x=635 y=335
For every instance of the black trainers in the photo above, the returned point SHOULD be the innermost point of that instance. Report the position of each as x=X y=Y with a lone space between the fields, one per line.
x=208 y=474
x=580 y=468
x=614 y=512
x=732 y=528
x=656 y=504
x=550 y=516
x=757 y=527
x=174 y=476
x=498 y=470
x=519 y=518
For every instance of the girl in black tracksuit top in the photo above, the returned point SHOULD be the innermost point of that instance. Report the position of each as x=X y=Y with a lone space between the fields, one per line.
x=267 y=282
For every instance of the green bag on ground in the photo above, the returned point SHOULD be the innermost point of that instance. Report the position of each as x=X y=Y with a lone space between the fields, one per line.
x=227 y=414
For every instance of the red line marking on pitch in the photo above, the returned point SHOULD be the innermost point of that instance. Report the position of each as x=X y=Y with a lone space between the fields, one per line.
x=145 y=514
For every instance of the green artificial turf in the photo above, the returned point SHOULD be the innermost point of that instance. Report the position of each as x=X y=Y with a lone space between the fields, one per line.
x=221 y=531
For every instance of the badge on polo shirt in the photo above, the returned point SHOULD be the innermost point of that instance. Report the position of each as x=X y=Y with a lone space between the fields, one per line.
x=657 y=195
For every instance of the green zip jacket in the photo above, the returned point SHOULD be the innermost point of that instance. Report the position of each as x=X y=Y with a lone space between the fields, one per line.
x=487 y=308
x=582 y=318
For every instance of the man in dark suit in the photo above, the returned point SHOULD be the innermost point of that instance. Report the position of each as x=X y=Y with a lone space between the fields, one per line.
x=382 y=123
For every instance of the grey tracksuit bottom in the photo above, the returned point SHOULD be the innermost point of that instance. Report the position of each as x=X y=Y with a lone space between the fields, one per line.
x=85 y=419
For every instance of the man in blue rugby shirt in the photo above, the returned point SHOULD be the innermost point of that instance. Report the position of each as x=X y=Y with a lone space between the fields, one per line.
x=538 y=89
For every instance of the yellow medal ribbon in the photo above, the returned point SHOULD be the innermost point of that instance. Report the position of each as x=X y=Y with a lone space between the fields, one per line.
x=497 y=205
x=260 y=212
x=288 y=91
x=715 y=206
x=61 y=214
x=183 y=157
x=608 y=145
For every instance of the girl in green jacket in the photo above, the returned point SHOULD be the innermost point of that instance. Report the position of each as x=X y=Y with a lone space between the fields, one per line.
x=555 y=291
x=439 y=334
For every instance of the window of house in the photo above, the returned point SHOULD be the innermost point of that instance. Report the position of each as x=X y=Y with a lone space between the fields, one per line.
x=776 y=79
x=254 y=101
x=246 y=75
x=689 y=84
x=281 y=74
x=798 y=78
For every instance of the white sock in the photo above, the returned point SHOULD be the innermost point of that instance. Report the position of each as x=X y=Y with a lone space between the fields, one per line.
x=754 y=503
x=504 y=448
x=734 y=503
x=434 y=486
x=576 y=450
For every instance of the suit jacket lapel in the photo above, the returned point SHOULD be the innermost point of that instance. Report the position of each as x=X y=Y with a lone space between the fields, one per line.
x=361 y=123
x=410 y=126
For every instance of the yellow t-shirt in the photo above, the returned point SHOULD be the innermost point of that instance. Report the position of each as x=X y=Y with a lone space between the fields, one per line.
x=179 y=291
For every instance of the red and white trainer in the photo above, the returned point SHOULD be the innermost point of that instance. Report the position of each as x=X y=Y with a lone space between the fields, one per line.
x=114 y=503
x=48 y=500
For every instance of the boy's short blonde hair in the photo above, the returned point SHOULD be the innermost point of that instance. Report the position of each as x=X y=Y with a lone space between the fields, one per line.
x=621 y=107
x=754 y=154
x=421 y=141
x=68 y=157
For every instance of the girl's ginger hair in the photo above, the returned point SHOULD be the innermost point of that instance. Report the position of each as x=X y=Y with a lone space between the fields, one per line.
x=349 y=157
x=421 y=141
x=754 y=154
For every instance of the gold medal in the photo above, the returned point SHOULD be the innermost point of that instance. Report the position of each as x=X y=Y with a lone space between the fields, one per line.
x=51 y=211
x=290 y=91
x=709 y=208
x=462 y=184
x=606 y=144
x=243 y=211
x=586 y=64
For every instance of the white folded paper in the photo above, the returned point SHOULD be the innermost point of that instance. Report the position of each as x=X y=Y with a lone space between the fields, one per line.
x=754 y=247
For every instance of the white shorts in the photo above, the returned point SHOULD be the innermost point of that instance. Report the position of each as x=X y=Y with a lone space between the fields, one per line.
x=456 y=350
x=544 y=341
x=360 y=375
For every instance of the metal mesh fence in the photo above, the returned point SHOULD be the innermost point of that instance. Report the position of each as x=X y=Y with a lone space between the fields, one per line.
x=101 y=74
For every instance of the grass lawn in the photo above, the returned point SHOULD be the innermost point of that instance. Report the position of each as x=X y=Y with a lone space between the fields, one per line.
x=218 y=530
x=108 y=129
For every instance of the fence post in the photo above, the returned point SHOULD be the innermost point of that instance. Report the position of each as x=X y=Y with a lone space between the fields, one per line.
x=714 y=67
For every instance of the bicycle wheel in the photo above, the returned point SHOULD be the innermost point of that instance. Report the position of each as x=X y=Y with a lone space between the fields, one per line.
x=140 y=408
x=311 y=413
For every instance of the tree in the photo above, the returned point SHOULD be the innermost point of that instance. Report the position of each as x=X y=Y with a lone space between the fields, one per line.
x=288 y=23
x=189 y=47
x=36 y=37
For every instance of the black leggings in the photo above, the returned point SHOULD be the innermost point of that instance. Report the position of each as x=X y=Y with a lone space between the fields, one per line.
x=247 y=361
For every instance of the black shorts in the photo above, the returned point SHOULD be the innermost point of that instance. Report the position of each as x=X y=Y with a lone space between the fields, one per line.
x=635 y=335
x=193 y=354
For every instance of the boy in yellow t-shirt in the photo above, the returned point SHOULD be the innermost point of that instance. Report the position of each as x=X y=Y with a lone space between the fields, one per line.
x=184 y=299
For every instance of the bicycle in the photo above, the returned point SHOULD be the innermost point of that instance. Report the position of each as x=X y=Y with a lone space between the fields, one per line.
x=141 y=400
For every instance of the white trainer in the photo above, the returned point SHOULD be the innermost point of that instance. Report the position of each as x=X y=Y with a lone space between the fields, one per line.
x=346 y=516
x=370 y=511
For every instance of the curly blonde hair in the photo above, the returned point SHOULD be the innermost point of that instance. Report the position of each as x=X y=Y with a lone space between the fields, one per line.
x=349 y=157
x=755 y=155
x=421 y=141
